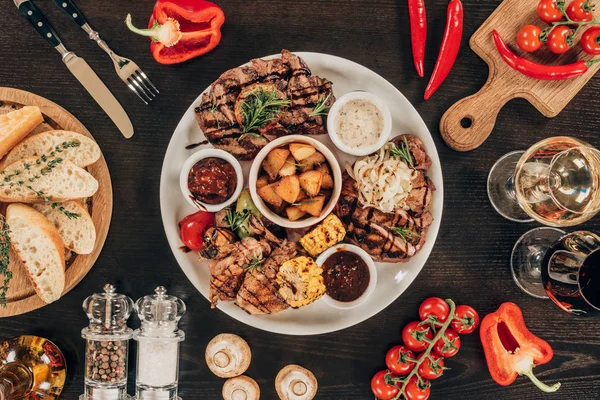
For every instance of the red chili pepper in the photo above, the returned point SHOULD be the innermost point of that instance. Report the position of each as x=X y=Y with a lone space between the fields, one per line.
x=449 y=49
x=182 y=29
x=511 y=349
x=540 y=71
x=418 y=33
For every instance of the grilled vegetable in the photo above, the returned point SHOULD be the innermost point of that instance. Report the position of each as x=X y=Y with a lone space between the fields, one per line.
x=245 y=206
x=328 y=233
x=300 y=281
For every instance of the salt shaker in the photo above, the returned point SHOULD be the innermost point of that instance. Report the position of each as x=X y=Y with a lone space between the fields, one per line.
x=107 y=345
x=158 y=345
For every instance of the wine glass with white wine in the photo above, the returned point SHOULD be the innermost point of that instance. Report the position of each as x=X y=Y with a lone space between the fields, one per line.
x=555 y=182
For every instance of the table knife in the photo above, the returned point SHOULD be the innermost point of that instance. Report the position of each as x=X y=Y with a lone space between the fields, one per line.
x=79 y=68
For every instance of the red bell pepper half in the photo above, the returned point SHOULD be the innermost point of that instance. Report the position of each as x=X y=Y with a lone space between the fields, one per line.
x=182 y=29
x=511 y=349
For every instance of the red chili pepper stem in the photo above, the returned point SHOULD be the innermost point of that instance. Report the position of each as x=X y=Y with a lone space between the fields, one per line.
x=426 y=355
x=168 y=33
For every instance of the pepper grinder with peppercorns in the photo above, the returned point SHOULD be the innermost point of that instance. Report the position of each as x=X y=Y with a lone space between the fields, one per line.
x=107 y=345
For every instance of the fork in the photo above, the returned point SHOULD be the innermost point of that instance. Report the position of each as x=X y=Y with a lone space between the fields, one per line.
x=128 y=71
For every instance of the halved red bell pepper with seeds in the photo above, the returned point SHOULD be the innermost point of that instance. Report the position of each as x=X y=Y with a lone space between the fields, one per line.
x=511 y=349
x=182 y=29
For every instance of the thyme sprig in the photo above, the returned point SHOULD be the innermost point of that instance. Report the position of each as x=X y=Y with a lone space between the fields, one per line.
x=402 y=152
x=321 y=108
x=406 y=233
x=259 y=108
x=254 y=263
x=5 y=274
x=62 y=210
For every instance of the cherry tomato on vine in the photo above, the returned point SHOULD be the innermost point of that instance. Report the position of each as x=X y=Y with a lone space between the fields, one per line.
x=580 y=10
x=560 y=39
x=414 y=336
x=396 y=360
x=435 y=307
x=448 y=349
x=590 y=41
x=528 y=38
x=192 y=228
x=417 y=391
x=429 y=370
x=466 y=320
x=381 y=389
x=548 y=11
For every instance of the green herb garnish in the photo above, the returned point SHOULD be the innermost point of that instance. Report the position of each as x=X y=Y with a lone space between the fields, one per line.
x=235 y=219
x=406 y=233
x=254 y=263
x=403 y=152
x=321 y=108
x=259 y=108
x=302 y=203
x=5 y=274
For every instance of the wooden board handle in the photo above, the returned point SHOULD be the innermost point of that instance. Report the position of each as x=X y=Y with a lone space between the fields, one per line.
x=469 y=122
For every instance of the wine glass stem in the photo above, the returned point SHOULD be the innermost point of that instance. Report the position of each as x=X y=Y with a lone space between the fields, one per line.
x=510 y=187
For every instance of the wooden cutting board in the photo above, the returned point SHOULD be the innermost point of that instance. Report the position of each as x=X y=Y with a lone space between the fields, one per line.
x=469 y=122
x=21 y=296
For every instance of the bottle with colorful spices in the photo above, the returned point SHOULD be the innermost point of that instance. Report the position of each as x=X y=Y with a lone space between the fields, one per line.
x=107 y=345
x=158 y=345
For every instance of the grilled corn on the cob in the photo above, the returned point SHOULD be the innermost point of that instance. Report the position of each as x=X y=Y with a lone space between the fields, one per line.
x=328 y=233
x=300 y=281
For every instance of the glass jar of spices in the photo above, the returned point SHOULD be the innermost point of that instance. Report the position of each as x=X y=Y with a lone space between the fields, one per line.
x=107 y=345
x=158 y=345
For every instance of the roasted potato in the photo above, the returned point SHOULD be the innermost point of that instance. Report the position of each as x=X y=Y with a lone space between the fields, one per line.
x=289 y=168
x=301 y=151
x=327 y=182
x=269 y=195
x=275 y=161
x=262 y=180
x=288 y=188
x=313 y=206
x=294 y=213
x=311 y=181
x=312 y=161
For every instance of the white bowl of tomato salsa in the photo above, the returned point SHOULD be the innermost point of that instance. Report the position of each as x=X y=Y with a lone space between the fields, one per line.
x=232 y=194
x=338 y=292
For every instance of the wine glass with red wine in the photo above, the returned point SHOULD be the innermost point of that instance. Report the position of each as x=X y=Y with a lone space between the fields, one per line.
x=564 y=267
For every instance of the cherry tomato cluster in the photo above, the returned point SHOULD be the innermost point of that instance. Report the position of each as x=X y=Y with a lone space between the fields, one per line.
x=559 y=37
x=433 y=338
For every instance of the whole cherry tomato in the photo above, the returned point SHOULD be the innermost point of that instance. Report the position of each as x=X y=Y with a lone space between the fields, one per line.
x=466 y=320
x=580 y=11
x=590 y=41
x=435 y=307
x=396 y=360
x=192 y=228
x=415 y=336
x=548 y=11
x=560 y=39
x=448 y=349
x=429 y=370
x=528 y=38
x=417 y=391
x=381 y=389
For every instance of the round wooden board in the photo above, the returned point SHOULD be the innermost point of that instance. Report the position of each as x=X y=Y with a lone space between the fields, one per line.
x=21 y=296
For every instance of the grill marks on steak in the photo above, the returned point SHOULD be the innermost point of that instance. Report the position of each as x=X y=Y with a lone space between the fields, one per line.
x=291 y=75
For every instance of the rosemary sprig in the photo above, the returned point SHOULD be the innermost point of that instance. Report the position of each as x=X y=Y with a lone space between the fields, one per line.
x=305 y=202
x=406 y=233
x=403 y=152
x=213 y=109
x=259 y=108
x=254 y=263
x=236 y=219
x=5 y=274
x=321 y=108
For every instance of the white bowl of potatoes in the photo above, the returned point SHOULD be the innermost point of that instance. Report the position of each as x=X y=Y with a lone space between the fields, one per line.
x=295 y=181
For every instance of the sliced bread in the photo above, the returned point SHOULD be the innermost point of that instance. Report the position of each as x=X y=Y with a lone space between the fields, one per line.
x=15 y=125
x=71 y=146
x=78 y=232
x=33 y=180
x=40 y=249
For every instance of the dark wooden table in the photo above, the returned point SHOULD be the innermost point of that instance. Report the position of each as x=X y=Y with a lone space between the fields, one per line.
x=469 y=263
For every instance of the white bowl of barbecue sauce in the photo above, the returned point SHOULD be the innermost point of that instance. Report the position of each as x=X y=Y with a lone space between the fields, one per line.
x=359 y=123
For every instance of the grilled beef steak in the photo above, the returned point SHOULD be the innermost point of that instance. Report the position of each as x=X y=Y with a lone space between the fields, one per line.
x=290 y=77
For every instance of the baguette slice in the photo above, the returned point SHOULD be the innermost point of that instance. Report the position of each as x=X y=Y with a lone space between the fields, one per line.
x=78 y=234
x=39 y=248
x=65 y=181
x=15 y=125
x=75 y=147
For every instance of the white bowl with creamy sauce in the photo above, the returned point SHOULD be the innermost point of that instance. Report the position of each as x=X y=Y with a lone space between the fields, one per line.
x=359 y=123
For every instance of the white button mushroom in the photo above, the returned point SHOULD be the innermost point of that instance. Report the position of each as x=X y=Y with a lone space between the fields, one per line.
x=228 y=355
x=295 y=383
x=241 y=388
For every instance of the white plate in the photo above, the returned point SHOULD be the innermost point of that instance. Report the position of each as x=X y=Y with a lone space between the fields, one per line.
x=317 y=318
